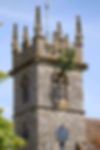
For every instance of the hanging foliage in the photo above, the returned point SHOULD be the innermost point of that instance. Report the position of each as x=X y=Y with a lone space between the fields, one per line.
x=67 y=60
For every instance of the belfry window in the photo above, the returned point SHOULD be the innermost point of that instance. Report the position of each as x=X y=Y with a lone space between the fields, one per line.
x=78 y=147
x=25 y=89
x=59 y=89
x=25 y=133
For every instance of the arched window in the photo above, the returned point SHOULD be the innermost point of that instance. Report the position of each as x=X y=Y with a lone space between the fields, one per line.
x=59 y=89
x=25 y=89
x=77 y=147
x=25 y=133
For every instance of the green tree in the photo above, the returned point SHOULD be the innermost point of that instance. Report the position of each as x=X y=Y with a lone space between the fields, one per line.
x=3 y=76
x=8 y=138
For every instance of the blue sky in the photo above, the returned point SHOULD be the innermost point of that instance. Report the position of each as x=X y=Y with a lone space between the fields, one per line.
x=22 y=13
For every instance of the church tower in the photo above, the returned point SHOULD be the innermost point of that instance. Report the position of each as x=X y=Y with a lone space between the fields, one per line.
x=48 y=105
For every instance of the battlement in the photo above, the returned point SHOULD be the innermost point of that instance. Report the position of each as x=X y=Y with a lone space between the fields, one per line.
x=40 y=48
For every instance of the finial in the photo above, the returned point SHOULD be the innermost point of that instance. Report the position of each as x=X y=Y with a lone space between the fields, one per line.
x=79 y=37
x=38 y=21
x=15 y=38
x=25 y=37
x=59 y=29
x=67 y=37
x=47 y=18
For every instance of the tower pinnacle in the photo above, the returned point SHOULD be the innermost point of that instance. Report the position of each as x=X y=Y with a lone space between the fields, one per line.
x=58 y=32
x=38 y=21
x=25 y=37
x=59 y=29
x=15 y=38
x=79 y=37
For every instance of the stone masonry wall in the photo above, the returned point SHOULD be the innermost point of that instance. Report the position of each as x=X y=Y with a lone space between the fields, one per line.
x=49 y=121
x=74 y=87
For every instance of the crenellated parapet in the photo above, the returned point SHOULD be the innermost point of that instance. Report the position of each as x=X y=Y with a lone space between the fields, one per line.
x=40 y=48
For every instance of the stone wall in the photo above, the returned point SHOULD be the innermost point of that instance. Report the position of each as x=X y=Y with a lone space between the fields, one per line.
x=73 y=87
x=19 y=105
x=42 y=125
x=28 y=120
x=49 y=121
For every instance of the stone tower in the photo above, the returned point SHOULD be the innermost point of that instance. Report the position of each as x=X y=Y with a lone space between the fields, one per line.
x=45 y=100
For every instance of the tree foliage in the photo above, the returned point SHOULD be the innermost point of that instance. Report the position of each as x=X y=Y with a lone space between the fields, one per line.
x=67 y=60
x=3 y=76
x=8 y=138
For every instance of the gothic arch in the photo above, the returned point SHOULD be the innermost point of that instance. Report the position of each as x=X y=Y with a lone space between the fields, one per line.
x=59 y=88
x=25 y=88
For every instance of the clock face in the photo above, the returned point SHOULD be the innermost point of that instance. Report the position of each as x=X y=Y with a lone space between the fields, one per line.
x=62 y=134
